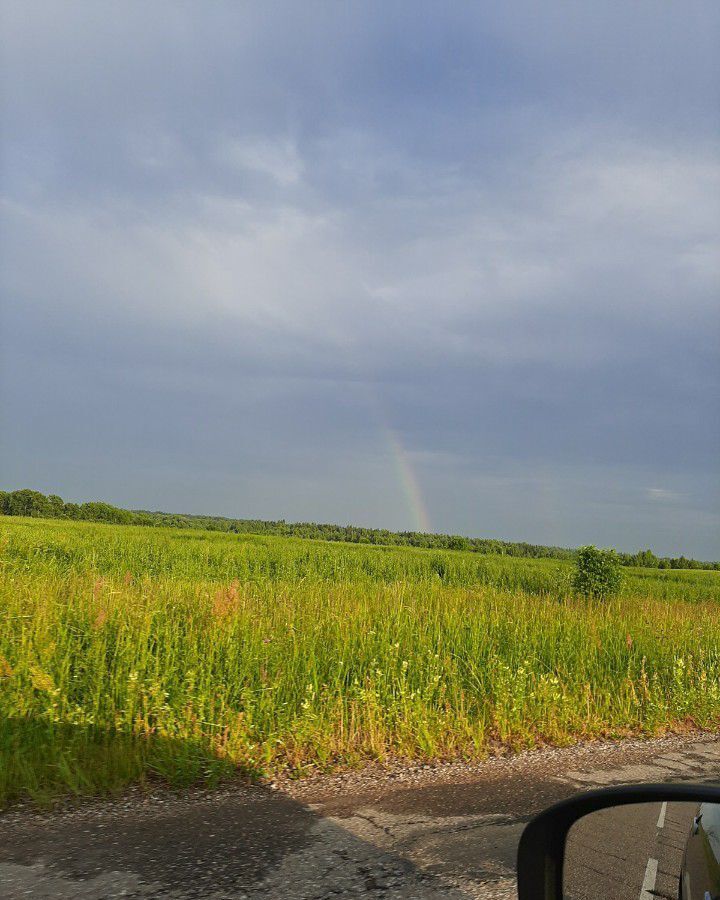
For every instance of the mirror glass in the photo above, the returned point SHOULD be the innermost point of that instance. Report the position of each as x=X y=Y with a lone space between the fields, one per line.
x=645 y=851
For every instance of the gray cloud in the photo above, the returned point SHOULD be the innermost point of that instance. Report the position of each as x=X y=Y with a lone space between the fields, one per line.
x=240 y=243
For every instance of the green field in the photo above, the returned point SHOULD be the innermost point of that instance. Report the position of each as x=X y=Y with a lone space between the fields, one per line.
x=131 y=653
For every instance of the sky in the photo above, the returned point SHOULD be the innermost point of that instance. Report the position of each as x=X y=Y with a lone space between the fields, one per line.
x=448 y=266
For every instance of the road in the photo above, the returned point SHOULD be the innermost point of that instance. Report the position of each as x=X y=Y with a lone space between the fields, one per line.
x=448 y=831
x=620 y=853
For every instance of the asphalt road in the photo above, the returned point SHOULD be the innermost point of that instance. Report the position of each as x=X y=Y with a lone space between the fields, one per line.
x=620 y=853
x=449 y=831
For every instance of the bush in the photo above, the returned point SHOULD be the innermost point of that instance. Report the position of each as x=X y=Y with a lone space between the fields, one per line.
x=597 y=573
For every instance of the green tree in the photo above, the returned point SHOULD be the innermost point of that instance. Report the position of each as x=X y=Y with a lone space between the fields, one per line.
x=95 y=511
x=646 y=559
x=56 y=506
x=597 y=573
x=26 y=503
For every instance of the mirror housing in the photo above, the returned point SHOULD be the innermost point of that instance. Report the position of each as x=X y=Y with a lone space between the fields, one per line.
x=541 y=853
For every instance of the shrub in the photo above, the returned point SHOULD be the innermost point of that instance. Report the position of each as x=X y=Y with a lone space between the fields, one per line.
x=597 y=573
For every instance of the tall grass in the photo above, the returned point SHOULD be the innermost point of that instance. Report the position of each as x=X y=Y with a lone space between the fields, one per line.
x=128 y=654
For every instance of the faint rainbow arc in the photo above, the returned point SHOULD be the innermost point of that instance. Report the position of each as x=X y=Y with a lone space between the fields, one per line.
x=409 y=482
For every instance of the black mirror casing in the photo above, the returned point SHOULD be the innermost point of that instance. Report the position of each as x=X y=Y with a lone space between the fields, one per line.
x=541 y=853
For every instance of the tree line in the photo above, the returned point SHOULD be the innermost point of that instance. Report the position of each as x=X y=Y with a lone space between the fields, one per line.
x=31 y=503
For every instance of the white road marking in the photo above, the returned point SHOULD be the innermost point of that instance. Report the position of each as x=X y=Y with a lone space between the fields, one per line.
x=661 y=817
x=648 y=885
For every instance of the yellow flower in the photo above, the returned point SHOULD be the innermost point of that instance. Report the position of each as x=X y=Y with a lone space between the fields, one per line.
x=41 y=681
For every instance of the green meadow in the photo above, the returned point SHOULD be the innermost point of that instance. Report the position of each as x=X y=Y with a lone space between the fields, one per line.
x=132 y=654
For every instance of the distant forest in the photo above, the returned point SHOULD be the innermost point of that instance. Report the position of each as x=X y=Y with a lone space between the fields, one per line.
x=27 y=502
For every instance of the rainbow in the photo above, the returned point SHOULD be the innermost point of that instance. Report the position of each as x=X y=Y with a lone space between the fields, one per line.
x=409 y=482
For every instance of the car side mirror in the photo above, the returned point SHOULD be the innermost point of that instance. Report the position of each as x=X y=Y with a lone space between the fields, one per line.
x=637 y=841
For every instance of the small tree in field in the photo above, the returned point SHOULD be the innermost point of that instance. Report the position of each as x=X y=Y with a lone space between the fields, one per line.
x=597 y=573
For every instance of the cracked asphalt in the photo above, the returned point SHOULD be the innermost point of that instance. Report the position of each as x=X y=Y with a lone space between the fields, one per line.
x=448 y=831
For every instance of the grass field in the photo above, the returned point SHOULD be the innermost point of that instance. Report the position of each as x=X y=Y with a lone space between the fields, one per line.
x=129 y=654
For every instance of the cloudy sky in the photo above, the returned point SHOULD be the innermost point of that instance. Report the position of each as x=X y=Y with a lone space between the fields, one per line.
x=450 y=266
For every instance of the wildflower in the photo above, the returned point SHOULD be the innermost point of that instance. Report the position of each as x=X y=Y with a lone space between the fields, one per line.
x=41 y=681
